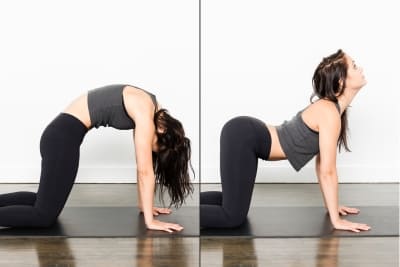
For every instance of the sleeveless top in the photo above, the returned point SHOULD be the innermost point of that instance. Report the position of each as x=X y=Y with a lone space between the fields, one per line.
x=106 y=107
x=299 y=142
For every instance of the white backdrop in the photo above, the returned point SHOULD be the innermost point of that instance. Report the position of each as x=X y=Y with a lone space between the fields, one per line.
x=52 y=51
x=258 y=58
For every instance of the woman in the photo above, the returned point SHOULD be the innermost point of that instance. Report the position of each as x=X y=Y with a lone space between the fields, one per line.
x=316 y=130
x=162 y=155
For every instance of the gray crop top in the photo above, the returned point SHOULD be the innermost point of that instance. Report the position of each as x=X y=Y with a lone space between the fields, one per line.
x=299 y=142
x=106 y=107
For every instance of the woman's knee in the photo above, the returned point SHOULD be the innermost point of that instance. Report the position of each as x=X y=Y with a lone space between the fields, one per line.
x=236 y=219
x=45 y=219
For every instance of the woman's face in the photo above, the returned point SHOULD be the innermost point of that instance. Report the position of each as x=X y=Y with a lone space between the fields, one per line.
x=355 y=78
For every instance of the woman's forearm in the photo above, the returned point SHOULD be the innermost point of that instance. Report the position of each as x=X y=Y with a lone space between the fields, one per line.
x=329 y=188
x=139 y=197
x=317 y=166
x=146 y=185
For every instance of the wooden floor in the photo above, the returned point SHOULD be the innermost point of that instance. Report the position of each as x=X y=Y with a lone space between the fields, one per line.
x=99 y=252
x=307 y=252
x=174 y=251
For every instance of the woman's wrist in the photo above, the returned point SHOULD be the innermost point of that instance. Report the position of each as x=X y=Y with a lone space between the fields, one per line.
x=148 y=216
x=334 y=218
x=149 y=221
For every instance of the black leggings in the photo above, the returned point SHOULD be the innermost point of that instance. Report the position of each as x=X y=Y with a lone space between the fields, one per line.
x=59 y=148
x=243 y=141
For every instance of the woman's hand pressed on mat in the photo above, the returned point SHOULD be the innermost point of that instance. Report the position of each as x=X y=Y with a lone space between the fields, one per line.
x=343 y=210
x=159 y=225
x=158 y=211
x=341 y=224
x=163 y=226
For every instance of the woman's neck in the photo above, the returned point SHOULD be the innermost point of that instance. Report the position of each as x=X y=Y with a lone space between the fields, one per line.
x=346 y=98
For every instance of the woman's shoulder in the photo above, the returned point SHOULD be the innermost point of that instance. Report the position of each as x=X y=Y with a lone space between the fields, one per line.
x=320 y=113
x=131 y=89
x=134 y=92
x=136 y=100
x=324 y=107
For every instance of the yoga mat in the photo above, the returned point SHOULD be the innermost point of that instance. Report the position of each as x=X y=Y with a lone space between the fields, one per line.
x=109 y=222
x=285 y=222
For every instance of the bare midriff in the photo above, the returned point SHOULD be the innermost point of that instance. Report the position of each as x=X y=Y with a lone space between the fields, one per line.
x=79 y=109
x=277 y=152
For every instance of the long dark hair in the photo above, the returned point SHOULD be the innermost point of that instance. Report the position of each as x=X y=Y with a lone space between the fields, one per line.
x=329 y=81
x=172 y=160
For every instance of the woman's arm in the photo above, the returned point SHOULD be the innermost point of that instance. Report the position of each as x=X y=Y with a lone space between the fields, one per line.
x=145 y=174
x=143 y=134
x=343 y=210
x=329 y=130
x=317 y=172
x=156 y=210
x=143 y=137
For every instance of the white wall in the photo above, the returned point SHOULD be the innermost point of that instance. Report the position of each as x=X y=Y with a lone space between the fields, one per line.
x=258 y=58
x=52 y=51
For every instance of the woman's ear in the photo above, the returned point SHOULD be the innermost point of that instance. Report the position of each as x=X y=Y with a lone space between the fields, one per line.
x=341 y=84
x=161 y=130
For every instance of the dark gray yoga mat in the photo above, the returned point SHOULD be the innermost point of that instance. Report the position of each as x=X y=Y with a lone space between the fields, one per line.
x=285 y=222
x=109 y=222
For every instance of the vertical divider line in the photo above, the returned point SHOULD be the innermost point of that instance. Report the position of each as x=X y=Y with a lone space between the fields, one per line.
x=200 y=92
x=199 y=125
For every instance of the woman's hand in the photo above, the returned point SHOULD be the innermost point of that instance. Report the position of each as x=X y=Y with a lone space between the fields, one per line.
x=341 y=224
x=164 y=226
x=158 y=211
x=347 y=210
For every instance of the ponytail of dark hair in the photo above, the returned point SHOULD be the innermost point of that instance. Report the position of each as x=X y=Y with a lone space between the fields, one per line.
x=329 y=81
x=172 y=160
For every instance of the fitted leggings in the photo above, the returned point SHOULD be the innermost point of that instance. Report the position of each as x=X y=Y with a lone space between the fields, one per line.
x=243 y=141
x=59 y=148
